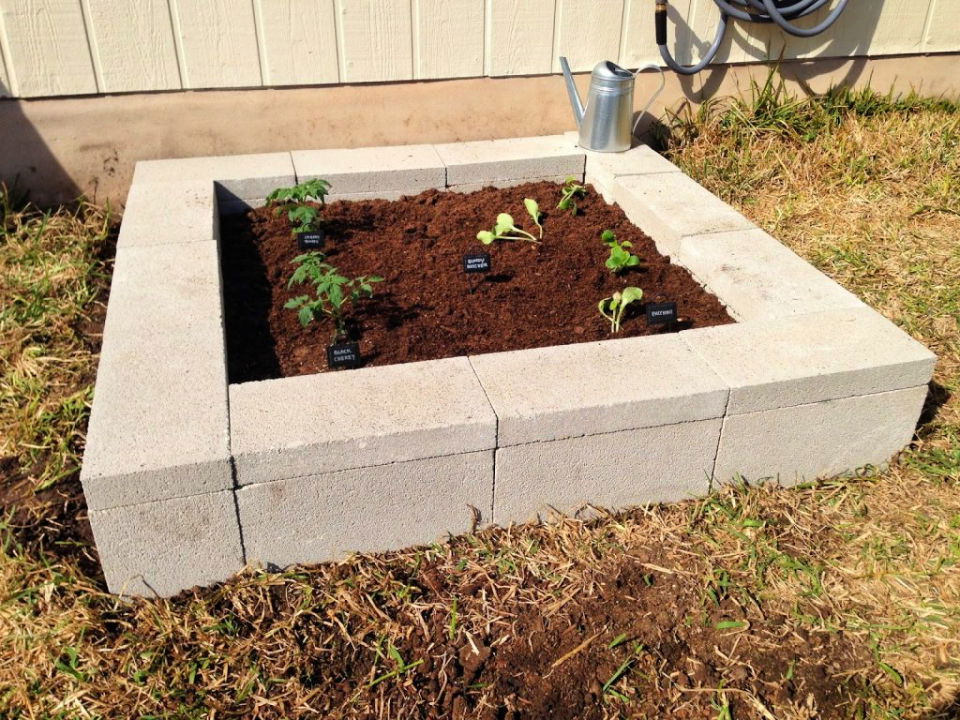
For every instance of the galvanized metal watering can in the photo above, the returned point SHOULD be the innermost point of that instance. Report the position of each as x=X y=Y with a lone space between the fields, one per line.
x=606 y=121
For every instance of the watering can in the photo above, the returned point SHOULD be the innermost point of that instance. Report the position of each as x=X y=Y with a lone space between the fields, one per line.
x=605 y=122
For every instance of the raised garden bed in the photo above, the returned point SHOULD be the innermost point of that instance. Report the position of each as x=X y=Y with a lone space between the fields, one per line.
x=427 y=307
x=188 y=475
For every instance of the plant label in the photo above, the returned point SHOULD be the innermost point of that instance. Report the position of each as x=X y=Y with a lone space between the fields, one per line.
x=310 y=241
x=661 y=313
x=477 y=263
x=346 y=355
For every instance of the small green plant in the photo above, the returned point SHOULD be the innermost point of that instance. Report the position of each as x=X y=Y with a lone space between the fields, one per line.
x=294 y=199
x=613 y=307
x=333 y=291
x=502 y=228
x=620 y=258
x=571 y=190
x=533 y=209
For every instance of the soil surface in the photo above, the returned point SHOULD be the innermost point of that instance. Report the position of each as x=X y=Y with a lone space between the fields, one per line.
x=427 y=307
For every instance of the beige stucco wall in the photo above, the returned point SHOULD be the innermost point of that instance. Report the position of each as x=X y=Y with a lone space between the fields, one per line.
x=60 y=148
x=79 y=47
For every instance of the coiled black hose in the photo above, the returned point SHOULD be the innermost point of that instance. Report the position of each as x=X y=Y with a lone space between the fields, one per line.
x=780 y=12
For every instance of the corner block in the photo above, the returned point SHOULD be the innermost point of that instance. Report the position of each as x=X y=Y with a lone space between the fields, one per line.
x=811 y=358
x=161 y=548
x=158 y=428
x=669 y=206
x=806 y=442
x=169 y=212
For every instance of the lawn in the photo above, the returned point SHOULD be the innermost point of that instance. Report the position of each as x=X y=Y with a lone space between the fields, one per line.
x=834 y=599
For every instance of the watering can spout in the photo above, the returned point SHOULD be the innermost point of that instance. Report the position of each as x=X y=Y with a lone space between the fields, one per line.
x=572 y=92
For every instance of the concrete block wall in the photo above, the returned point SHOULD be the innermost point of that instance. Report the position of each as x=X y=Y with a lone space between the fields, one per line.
x=187 y=479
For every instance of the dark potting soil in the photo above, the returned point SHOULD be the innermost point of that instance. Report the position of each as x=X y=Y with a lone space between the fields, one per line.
x=427 y=307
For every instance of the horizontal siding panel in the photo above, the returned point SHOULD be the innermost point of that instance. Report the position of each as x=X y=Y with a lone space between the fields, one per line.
x=47 y=44
x=449 y=38
x=866 y=28
x=587 y=32
x=218 y=43
x=133 y=46
x=298 y=41
x=519 y=37
x=639 y=46
x=375 y=40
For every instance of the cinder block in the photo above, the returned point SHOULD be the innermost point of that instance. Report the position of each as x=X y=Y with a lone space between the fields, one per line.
x=238 y=177
x=161 y=548
x=600 y=387
x=339 y=420
x=158 y=428
x=473 y=187
x=484 y=161
x=388 y=507
x=603 y=169
x=810 y=358
x=614 y=470
x=669 y=206
x=824 y=439
x=165 y=213
x=759 y=278
x=408 y=169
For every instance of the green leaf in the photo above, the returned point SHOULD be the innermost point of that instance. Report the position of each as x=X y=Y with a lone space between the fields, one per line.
x=533 y=208
x=294 y=303
x=564 y=203
x=608 y=236
x=486 y=237
x=504 y=223
x=897 y=677
x=730 y=625
x=305 y=315
x=618 y=640
x=633 y=261
x=631 y=294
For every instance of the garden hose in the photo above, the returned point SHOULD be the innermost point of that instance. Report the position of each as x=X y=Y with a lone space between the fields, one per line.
x=782 y=13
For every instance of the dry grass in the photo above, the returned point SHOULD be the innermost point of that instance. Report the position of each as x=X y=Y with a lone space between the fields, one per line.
x=839 y=599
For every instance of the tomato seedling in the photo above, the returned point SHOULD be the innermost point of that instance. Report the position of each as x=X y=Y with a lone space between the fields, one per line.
x=533 y=209
x=613 y=307
x=294 y=199
x=333 y=291
x=502 y=228
x=620 y=258
x=571 y=190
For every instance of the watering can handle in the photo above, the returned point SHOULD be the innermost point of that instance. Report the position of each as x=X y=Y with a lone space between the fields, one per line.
x=663 y=84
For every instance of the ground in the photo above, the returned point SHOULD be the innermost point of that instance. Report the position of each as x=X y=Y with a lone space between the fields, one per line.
x=837 y=599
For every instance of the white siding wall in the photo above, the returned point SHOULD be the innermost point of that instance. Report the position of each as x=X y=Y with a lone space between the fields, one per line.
x=76 y=47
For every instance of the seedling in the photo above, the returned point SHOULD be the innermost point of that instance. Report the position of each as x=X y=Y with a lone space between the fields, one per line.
x=613 y=307
x=620 y=258
x=533 y=209
x=502 y=228
x=294 y=199
x=571 y=190
x=333 y=291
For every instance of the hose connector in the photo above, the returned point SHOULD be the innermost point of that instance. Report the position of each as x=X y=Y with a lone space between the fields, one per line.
x=660 y=18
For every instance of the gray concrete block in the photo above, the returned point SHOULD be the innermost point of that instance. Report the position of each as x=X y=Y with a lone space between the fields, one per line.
x=669 y=206
x=603 y=169
x=339 y=420
x=484 y=161
x=158 y=428
x=388 y=507
x=473 y=187
x=165 y=213
x=806 y=442
x=614 y=470
x=810 y=358
x=759 y=278
x=600 y=387
x=406 y=169
x=238 y=177
x=161 y=548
